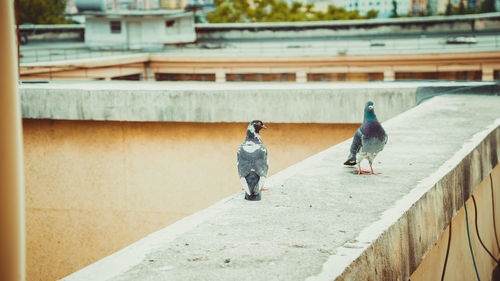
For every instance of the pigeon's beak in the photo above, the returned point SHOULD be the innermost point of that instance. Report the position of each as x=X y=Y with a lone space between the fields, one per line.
x=370 y=107
x=264 y=126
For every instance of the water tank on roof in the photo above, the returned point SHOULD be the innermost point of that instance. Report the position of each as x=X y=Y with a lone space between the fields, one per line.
x=90 y=5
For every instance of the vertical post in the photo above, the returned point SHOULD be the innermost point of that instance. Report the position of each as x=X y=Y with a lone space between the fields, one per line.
x=389 y=75
x=171 y=4
x=487 y=73
x=301 y=76
x=220 y=76
x=147 y=71
x=12 y=230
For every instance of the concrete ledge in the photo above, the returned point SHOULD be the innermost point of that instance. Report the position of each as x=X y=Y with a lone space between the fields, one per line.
x=213 y=102
x=225 y=102
x=320 y=221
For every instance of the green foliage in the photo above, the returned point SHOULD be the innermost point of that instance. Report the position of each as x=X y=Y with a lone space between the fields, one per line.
x=277 y=11
x=488 y=6
x=42 y=11
x=461 y=8
x=372 y=14
x=485 y=6
x=448 y=8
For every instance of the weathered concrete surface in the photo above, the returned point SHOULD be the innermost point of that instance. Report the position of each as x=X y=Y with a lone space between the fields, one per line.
x=320 y=221
x=226 y=102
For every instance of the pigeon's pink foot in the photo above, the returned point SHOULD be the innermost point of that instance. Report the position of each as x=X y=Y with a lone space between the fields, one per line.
x=372 y=172
x=361 y=172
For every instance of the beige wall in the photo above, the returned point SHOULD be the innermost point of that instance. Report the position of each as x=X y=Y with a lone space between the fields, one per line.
x=460 y=265
x=94 y=187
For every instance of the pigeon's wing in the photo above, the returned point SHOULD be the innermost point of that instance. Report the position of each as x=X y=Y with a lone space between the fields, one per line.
x=243 y=163
x=355 y=147
x=356 y=142
x=262 y=162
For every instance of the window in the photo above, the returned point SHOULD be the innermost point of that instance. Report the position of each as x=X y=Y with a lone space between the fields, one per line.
x=116 y=26
x=170 y=23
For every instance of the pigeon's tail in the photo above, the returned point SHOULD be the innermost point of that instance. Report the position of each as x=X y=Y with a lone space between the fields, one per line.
x=252 y=180
x=351 y=161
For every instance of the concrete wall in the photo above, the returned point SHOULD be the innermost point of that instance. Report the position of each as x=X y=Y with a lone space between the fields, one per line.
x=459 y=265
x=98 y=33
x=195 y=102
x=94 y=187
x=464 y=24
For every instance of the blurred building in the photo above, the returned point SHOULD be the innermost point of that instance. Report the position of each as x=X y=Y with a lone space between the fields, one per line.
x=138 y=29
x=437 y=7
x=129 y=4
x=134 y=24
x=418 y=7
x=201 y=8
x=384 y=7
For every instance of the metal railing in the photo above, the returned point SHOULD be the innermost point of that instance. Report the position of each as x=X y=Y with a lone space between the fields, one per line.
x=62 y=54
x=418 y=45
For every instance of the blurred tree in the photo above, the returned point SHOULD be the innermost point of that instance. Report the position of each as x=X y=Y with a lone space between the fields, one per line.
x=277 y=11
x=394 y=9
x=372 y=14
x=461 y=8
x=448 y=8
x=42 y=11
x=488 y=6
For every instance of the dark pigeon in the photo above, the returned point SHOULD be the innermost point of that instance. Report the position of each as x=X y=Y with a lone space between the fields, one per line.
x=368 y=140
x=252 y=162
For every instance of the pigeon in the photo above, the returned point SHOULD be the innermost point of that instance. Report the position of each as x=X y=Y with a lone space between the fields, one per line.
x=252 y=162
x=368 y=140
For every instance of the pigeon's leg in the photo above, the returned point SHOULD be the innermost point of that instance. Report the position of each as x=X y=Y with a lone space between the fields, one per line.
x=371 y=169
x=361 y=172
x=372 y=172
x=244 y=184
x=262 y=180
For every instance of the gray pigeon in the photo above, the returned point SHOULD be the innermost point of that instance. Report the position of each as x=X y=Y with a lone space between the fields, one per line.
x=368 y=140
x=252 y=162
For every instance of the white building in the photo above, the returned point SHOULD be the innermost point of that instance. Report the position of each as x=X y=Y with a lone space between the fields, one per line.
x=384 y=7
x=138 y=29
